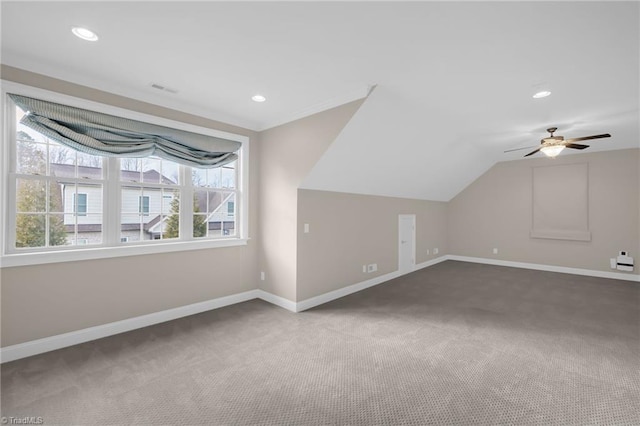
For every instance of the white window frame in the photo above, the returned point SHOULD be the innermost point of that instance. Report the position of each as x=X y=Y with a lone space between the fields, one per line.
x=111 y=246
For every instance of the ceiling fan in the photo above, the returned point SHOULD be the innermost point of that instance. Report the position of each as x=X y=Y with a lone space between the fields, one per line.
x=552 y=145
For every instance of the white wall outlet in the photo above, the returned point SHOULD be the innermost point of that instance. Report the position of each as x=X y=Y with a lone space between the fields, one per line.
x=495 y=251
x=262 y=276
x=436 y=251
x=373 y=267
x=306 y=228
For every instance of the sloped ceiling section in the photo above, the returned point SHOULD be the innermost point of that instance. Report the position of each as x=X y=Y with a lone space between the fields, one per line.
x=466 y=96
x=384 y=150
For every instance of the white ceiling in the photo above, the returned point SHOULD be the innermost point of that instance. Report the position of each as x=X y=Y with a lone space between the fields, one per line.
x=454 y=80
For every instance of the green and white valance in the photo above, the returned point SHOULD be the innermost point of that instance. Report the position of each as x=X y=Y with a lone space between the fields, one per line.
x=103 y=134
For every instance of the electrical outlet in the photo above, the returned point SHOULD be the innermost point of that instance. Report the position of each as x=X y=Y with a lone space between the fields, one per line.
x=495 y=251
x=436 y=251
x=373 y=267
x=262 y=276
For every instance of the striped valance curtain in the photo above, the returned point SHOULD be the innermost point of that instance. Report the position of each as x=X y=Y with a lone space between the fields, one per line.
x=102 y=134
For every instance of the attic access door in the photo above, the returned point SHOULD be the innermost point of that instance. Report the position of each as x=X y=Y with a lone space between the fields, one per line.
x=406 y=242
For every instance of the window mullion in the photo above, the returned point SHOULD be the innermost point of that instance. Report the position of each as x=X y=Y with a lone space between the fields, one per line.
x=112 y=201
x=186 y=204
x=7 y=178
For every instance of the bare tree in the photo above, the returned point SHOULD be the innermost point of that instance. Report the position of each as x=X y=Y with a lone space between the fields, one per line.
x=130 y=164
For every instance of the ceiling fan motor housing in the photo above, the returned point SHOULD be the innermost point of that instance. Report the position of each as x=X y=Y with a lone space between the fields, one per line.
x=552 y=140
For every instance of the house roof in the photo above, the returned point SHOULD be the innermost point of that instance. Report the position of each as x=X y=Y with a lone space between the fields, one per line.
x=68 y=171
x=454 y=79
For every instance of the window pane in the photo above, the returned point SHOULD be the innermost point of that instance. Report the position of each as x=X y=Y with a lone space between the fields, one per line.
x=199 y=177
x=229 y=215
x=228 y=176
x=206 y=178
x=202 y=199
x=153 y=199
x=171 y=221
x=151 y=170
x=89 y=166
x=58 y=233
x=131 y=232
x=59 y=155
x=170 y=201
x=31 y=158
x=89 y=229
x=24 y=132
x=56 y=201
x=130 y=169
x=146 y=212
x=31 y=195
x=130 y=195
x=170 y=172
x=82 y=199
x=214 y=211
x=30 y=230
x=200 y=225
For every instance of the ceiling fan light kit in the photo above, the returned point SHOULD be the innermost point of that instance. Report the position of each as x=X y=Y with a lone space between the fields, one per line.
x=552 y=150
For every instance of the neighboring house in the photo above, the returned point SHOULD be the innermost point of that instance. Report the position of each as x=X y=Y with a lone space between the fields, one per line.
x=144 y=212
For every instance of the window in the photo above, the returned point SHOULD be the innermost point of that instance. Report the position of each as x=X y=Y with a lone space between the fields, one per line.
x=143 y=205
x=80 y=204
x=51 y=182
x=62 y=199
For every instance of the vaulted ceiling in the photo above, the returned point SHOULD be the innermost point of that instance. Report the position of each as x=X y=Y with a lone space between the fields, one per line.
x=454 y=81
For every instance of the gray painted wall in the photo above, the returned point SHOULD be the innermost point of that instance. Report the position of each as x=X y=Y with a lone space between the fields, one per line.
x=287 y=155
x=495 y=211
x=347 y=231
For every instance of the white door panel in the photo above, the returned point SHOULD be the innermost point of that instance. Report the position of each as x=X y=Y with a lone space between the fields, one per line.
x=406 y=242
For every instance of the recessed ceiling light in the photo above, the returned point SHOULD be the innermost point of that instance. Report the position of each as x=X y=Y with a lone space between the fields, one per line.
x=542 y=94
x=84 y=33
x=258 y=98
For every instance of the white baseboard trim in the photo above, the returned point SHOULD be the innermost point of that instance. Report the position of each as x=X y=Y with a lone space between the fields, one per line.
x=549 y=268
x=431 y=262
x=34 y=347
x=277 y=300
x=345 y=291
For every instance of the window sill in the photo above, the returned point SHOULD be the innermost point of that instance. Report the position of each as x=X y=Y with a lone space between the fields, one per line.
x=26 y=259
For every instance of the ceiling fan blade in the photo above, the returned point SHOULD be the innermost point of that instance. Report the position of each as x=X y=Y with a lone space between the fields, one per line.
x=533 y=152
x=519 y=149
x=576 y=146
x=586 y=138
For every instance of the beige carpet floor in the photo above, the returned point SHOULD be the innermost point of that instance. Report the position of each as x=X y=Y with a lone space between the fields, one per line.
x=457 y=343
